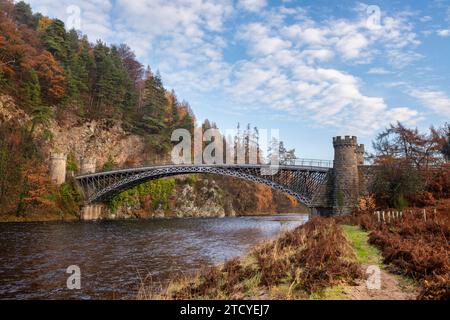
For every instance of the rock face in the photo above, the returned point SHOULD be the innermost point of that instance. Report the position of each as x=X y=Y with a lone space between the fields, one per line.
x=206 y=203
x=188 y=202
x=10 y=112
x=97 y=140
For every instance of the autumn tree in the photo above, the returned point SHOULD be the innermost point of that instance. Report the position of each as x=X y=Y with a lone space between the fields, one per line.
x=418 y=149
x=406 y=162
x=21 y=59
x=134 y=68
x=446 y=142
x=35 y=189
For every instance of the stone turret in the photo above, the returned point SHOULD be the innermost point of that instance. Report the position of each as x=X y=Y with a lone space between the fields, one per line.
x=88 y=165
x=345 y=174
x=360 y=154
x=58 y=163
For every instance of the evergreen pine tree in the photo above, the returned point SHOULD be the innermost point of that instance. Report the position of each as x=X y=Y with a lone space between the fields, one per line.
x=31 y=90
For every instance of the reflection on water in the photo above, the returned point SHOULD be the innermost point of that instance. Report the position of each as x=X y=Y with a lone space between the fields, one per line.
x=112 y=255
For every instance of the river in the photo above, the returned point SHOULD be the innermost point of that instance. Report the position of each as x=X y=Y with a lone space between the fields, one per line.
x=114 y=255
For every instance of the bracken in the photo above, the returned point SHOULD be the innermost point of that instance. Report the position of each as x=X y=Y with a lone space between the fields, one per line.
x=417 y=245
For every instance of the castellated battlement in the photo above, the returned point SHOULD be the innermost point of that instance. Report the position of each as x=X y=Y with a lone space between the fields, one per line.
x=360 y=154
x=360 y=148
x=347 y=141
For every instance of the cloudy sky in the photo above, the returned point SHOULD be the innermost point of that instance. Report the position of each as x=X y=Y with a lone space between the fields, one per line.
x=312 y=69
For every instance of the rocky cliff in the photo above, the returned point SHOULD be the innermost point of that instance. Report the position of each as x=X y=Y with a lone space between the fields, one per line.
x=96 y=139
x=202 y=199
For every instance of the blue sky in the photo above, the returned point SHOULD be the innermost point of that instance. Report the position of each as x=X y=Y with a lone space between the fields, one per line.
x=312 y=69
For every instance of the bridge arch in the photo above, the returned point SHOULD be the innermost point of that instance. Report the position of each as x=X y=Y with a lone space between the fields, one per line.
x=299 y=182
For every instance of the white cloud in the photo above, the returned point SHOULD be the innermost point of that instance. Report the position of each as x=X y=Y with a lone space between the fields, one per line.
x=402 y=58
x=326 y=96
x=314 y=36
x=313 y=55
x=435 y=100
x=425 y=18
x=288 y=74
x=378 y=70
x=252 y=5
x=260 y=41
x=351 y=46
x=94 y=15
x=443 y=32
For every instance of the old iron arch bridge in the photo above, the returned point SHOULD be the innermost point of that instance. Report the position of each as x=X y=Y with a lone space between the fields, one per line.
x=328 y=187
x=300 y=178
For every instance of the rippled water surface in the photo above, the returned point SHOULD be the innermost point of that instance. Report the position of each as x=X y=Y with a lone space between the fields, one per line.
x=113 y=255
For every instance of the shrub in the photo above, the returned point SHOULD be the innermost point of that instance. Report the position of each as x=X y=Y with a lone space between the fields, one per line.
x=400 y=202
x=422 y=199
x=72 y=164
x=366 y=203
x=158 y=191
x=109 y=164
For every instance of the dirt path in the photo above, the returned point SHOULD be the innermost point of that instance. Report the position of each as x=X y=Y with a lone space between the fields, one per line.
x=392 y=287
x=379 y=282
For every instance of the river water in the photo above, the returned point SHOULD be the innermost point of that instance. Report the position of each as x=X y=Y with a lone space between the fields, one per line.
x=114 y=255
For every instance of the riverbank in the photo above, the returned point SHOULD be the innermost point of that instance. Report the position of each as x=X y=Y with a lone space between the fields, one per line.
x=333 y=258
x=38 y=217
x=47 y=217
x=299 y=264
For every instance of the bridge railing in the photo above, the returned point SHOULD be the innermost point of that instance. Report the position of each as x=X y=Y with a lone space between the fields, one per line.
x=308 y=163
x=290 y=162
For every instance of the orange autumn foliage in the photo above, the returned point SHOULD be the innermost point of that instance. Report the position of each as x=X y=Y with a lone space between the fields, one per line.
x=39 y=186
x=20 y=52
x=263 y=197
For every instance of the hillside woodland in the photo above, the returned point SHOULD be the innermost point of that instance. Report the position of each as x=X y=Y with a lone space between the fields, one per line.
x=59 y=92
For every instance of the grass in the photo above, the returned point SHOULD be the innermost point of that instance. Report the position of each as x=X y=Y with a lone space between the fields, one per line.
x=365 y=253
x=331 y=293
